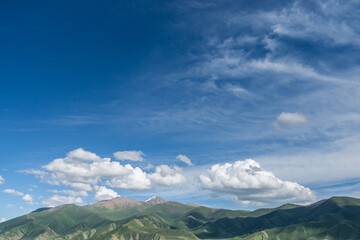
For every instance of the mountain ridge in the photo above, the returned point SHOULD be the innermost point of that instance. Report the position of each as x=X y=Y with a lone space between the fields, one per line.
x=334 y=218
x=117 y=202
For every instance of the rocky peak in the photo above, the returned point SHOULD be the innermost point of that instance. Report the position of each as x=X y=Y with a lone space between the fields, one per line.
x=155 y=200
x=118 y=202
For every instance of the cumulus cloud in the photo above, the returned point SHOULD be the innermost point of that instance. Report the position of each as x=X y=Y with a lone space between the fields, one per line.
x=285 y=120
x=104 y=193
x=1 y=180
x=83 y=171
x=184 y=159
x=135 y=180
x=248 y=182
x=167 y=176
x=81 y=155
x=13 y=192
x=82 y=174
x=27 y=198
x=56 y=200
x=136 y=156
x=2 y=220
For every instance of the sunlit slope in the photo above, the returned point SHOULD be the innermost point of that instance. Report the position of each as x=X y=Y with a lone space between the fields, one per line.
x=62 y=220
x=121 y=218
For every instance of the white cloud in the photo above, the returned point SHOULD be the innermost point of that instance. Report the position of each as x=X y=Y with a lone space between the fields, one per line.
x=27 y=198
x=9 y=205
x=83 y=170
x=326 y=24
x=184 y=159
x=135 y=180
x=287 y=66
x=79 y=186
x=32 y=171
x=1 y=180
x=336 y=162
x=167 y=176
x=2 y=220
x=149 y=166
x=130 y=156
x=236 y=90
x=104 y=193
x=73 y=193
x=285 y=120
x=13 y=192
x=43 y=175
x=56 y=200
x=247 y=181
x=81 y=155
x=83 y=174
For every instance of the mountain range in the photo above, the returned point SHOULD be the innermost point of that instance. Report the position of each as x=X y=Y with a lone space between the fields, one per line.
x=156 y=219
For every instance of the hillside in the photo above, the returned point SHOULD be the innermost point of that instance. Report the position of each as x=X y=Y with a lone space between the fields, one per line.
x=124 y=218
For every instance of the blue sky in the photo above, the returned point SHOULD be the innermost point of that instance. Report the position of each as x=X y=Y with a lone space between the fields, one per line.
x=183 y=92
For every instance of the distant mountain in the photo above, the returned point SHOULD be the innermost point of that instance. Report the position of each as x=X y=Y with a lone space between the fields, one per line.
x=336 y=218
x=118 y=202
x=155 y=200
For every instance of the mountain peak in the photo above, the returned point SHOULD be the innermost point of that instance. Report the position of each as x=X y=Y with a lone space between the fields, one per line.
x=155 y=200
x=118 y=202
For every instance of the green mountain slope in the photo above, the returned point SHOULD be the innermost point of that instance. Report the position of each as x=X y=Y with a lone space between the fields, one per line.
x=122 y=218
x=331 y=218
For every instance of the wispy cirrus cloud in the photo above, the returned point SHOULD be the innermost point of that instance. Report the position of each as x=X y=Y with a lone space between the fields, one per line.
x=325 y=22
x=246 y=64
